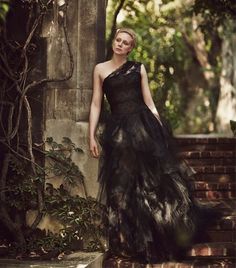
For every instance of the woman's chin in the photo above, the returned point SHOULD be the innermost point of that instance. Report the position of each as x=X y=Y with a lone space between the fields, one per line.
x=120 y=53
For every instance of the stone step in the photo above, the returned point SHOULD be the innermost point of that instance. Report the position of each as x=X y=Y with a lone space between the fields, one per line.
x=208 y=144
x=218 y=249
x=206 y=147
x=216 y=169
x=220 y=236
x=208 y=154
x=204 y=140
x=78 y=259
x=225 y=206
x=211 y=162
x=40 y=264
x=215 y=195
x=124 y=263
x=196 y=154
x=226 y=223
x=217 y=177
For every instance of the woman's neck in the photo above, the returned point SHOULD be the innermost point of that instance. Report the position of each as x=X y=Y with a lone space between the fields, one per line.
x=118 y=60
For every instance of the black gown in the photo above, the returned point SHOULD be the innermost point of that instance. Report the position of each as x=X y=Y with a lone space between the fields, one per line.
x=144 y=185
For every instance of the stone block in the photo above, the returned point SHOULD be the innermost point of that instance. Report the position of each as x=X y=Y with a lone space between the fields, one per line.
x=72 y=104
x=78 y=133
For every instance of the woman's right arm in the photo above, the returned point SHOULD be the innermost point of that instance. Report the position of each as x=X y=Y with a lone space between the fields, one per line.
x=95 y=110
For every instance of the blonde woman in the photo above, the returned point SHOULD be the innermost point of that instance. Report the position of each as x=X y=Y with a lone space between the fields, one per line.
x=151 y=215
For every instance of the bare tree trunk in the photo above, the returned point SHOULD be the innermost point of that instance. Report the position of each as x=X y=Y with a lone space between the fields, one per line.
x=226 y=110
x=197 y=43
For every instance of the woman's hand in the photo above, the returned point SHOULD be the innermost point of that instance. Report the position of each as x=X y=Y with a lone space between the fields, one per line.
x=93 y=147
x=147 y=96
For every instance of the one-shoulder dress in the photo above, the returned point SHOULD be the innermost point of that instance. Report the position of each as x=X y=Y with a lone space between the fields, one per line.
x=144 y=185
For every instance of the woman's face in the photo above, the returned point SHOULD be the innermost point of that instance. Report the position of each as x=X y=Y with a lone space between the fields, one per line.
x=122 y=44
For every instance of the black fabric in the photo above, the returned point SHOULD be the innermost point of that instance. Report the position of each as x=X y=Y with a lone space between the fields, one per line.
x=144 y=185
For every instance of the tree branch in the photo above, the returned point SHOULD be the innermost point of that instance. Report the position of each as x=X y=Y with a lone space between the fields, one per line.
x=113 y=29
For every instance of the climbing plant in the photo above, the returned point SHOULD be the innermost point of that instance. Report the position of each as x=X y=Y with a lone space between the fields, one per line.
x=79 y=217
x=29 y=168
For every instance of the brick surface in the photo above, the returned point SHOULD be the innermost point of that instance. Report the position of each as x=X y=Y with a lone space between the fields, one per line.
x=214 y=160
x=217 y=177
x=206 y=147
x=215 y=169
x=209 y=140
x=226 y=206
x=211 y=161
x=213 y=249
x=202 y=185
x=208 y=154
x=221 y=236
x=226 y=223
x=211 y=195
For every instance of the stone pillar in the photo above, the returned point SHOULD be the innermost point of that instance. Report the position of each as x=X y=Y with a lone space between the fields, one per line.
x=67 y=103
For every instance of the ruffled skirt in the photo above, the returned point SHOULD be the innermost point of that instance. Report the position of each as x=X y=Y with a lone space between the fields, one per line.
x=151 y=214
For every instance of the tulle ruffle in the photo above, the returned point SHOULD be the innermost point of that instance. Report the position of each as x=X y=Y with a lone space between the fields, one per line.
x=145 y=188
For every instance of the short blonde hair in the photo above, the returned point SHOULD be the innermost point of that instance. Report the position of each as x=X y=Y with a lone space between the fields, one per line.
x=128 y=31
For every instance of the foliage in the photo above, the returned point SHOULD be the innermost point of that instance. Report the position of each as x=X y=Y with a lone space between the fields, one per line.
x=28 y=171
x=4 y=8
x=80 y=217
x=216 y=13
x=62 y=164
x=179 y=43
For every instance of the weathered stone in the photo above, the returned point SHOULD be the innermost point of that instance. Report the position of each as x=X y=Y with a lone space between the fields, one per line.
x=67 y=104
x=78 y=133
x=75 y=260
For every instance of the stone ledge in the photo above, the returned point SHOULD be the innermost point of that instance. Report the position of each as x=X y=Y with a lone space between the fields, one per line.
x=226 y=206
x=211 y=161
x=225 y=223
x=208 y=154
x=78 y=259
x=119 y=263
x=201 y=139
x=221 y=236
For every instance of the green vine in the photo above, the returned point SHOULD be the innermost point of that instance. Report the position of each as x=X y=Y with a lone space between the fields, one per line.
x=79 y=216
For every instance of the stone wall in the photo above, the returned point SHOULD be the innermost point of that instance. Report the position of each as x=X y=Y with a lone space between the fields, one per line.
x=67 y=103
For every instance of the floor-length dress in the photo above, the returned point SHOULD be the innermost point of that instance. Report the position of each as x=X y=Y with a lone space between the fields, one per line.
x=151 y=214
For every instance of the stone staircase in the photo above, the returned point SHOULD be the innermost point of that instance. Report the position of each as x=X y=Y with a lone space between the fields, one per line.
x=214 y=160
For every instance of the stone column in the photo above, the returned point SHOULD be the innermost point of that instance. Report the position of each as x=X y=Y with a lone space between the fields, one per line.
x=67 y=104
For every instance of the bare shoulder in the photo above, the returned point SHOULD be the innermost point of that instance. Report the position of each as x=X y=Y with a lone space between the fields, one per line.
x=102 y=65
x=101 y=68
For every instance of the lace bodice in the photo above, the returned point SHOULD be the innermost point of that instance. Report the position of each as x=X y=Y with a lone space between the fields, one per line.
x=122 y=89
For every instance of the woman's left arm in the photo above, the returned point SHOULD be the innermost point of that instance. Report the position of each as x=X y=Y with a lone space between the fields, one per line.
x=147 y=97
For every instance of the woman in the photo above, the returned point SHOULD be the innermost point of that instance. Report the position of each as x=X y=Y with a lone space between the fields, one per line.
x=151 y=213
